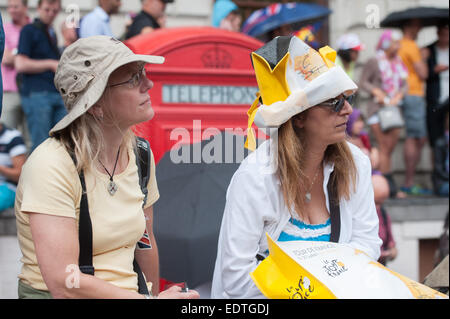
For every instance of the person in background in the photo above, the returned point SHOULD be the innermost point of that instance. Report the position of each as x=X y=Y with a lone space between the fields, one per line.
x=381 y=189
x=97 y=21
x=36 y=62
x=413 y=106
x=437 y=86
x=349 y=45
x=2 y=47
x=12 y=114
x=357 y=136
x=226 y=15
x=384 y=77
x=69 y=35
x=381 y=193
x=441 y=161
x=12 y=157
x=150 y=18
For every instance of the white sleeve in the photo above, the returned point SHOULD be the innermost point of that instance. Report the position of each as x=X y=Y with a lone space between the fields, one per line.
x=365 y=218
x=241 y=230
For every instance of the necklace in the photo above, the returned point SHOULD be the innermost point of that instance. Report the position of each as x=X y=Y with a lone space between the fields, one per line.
x=308 y=193
x=112 y=186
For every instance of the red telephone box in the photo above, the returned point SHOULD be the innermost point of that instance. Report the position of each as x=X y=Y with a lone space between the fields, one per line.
x=207 y=77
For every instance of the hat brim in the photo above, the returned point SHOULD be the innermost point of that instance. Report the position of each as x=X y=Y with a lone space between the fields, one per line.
x=326 y=86
x=96 y=89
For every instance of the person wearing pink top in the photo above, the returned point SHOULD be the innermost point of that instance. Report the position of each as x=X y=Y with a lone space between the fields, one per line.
x=12 y=114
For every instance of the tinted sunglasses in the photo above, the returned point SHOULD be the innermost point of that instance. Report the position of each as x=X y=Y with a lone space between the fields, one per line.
x=338 y=103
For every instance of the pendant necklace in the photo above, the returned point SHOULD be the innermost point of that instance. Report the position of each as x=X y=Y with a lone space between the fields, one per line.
x=112 y=187
x=308 y=194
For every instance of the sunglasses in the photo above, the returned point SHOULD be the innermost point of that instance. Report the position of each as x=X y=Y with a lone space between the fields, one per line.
x=338 y=103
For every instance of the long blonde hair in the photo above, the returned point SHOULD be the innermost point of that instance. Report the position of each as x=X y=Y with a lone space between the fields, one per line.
x=290 y=171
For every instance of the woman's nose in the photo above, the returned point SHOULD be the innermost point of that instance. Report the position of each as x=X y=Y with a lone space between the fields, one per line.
x=347 y=109
x=147 y=84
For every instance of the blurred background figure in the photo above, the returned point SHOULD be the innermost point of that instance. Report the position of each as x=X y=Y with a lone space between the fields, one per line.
x=437 y=83
x=384 y=78
x=226 y=15
x=69 y=34
x=12 y=157
x=348 y=48
x=97 y=21
x=308 y=35
x=356 y=135
x=441 y=162
x=12 y=114
x=151 y=17
x=413 y=106
x=381 y=193
x=2 y=47
x=36 y=62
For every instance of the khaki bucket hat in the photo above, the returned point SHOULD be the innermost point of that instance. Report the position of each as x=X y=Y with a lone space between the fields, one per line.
x=84 y=69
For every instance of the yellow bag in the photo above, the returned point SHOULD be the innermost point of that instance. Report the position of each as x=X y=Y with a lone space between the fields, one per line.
x=325 y=270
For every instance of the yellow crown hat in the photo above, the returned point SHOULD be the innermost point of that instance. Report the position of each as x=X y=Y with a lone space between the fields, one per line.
x=292 y=77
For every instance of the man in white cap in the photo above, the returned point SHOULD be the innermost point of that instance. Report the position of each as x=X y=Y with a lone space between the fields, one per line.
x=349 y=47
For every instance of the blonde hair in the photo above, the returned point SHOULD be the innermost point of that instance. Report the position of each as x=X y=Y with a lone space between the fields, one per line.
x=84 y=138
x=290 y=171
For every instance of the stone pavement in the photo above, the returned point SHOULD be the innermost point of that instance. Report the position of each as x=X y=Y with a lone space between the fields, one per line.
x=9 y=266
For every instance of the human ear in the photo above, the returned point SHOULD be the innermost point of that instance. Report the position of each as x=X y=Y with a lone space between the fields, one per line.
x=96 y=111
x=299 y=120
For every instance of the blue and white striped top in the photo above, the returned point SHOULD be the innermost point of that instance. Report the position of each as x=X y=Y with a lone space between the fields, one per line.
x=298 y=230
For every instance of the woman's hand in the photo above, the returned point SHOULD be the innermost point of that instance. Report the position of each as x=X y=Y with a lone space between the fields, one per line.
x=397 y=99
x=379 y=95
x=174 y=292
x=440 y=68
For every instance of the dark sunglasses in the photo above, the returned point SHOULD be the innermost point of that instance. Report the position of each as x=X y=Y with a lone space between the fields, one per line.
x=338 y=103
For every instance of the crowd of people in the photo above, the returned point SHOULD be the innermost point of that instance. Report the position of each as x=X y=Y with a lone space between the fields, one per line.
x=48 y=88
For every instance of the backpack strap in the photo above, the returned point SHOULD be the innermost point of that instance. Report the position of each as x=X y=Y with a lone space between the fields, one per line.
x=335 y=212
x=84 y=229
x=143 y=158
x=143 y=164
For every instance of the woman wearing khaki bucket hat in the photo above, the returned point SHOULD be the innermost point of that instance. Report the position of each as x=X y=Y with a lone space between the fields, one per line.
x=105 y=89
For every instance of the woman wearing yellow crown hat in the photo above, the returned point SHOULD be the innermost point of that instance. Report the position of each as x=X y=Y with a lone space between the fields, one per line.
x=304 y=183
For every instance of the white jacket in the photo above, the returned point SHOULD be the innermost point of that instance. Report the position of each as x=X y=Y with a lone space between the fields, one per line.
x=255 y=205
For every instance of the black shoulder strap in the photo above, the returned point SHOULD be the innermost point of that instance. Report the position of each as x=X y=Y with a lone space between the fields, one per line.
x=144 y=168
x=85 y=239
x=84 y=229
x=41 y=26
x=143 y=164
x=335 y=212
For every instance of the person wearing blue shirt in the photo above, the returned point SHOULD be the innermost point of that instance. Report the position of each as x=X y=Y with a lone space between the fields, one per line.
x=97 y=21
x=36 y=62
